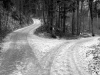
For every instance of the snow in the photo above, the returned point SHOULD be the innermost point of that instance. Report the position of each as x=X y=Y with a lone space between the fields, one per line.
x=67 y=56
x=6 y=46
x=42 y=45
x=61 y=62
x=92 y=42
x=74 y=55
x=80 y=51
x=70 y=58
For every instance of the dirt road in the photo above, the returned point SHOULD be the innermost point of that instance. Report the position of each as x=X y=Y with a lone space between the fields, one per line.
x=21 y=59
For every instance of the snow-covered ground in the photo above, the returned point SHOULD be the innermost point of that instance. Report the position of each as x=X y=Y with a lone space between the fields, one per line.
x=67 y=58
x=53 y=56
x=72 y=59
x=42 y=45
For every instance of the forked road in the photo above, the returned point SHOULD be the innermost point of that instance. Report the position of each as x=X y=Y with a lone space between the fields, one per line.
x=20 y=58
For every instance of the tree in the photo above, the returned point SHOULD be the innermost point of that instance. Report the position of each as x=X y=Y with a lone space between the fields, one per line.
x=7 y=4
x=81 y=10
x=73 y=18
x=78 y=26
x=96 y=9
x=91 y=14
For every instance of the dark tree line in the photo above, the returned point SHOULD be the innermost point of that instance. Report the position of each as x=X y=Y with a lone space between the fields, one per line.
x=54 y=14
x=57 y=15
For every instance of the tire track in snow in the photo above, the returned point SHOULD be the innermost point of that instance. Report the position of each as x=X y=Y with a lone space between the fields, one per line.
x=72 y=56
x=68 y=50
x=47 y=60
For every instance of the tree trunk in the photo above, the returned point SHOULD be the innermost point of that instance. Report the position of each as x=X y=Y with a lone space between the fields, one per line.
x=48 y=16
x=91 y=13
x=20 y=11
x=64 y=19
x=51 y=16
x=97 y=19
x=83 y=23
x=73 y=22
x=0 y=26
x=44 y=12
x=81 y=4
x=59 y=16
x=89 y=20
x=7 y=18
x=78 y=26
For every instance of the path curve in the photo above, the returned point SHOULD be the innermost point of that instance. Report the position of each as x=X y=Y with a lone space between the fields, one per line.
x=20 y=57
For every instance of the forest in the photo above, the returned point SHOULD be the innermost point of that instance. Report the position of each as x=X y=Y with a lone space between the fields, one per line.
x=61 y=18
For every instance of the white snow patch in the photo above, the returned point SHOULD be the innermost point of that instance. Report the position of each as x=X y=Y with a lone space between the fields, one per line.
x=80 y=56
x=6 y=46
x=94 y=41
x=43 y=45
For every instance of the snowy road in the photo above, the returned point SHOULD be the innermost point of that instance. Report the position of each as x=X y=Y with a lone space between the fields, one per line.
x=18 y=58
x=28 y=54
x=72 y=60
